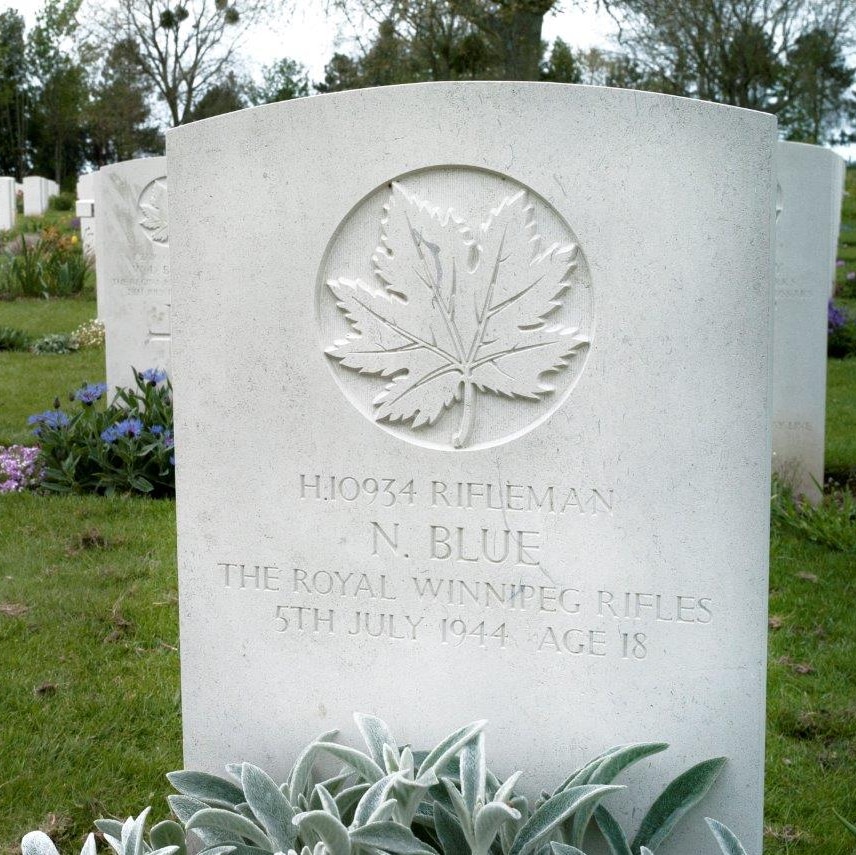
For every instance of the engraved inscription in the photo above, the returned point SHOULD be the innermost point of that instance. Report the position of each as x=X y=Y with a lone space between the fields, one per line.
x=492 y=615
x=154 y=211
x=456 y=306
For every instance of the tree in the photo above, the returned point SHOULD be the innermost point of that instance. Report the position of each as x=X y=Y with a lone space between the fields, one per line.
x=59 y=86
x=14 y=95
x=562 y=66
x=446 y=35
x=816 y=85
x=119 y=114
x=224 y=97
x=731 y=51
x=282 y=81
x=185 y=49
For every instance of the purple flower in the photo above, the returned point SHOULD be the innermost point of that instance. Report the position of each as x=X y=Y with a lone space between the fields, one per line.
x=839 y=263
x=19 y=468
x=75 y=223
x=90 y=393
x=836 y=317
x=127 y=427
x=172 y=459
x=153 y=376
x=851 y=276
x=52 y=419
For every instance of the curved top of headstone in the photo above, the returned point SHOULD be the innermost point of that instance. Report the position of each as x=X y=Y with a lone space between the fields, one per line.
x=477 y=89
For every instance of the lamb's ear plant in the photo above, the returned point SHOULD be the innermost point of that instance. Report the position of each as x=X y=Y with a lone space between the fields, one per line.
x=680 y=796
x=391 y=800
x=728 y=842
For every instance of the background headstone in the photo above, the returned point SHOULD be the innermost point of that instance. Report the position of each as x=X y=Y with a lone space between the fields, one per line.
x=808 y=177
x=7 y=204
x=85 y=210
x=571 y=543
x=35 y=195
x=132 y=266
x=839 y=183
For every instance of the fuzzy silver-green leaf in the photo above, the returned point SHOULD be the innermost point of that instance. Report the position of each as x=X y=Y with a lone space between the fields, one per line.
x=361 y=763
x=270 y=807
x=725 y=837
x=235 y=825
x=611 y=831
x=328 y=828
x=38 y=843
x=554 y=812
x=214 y=791
x=390 y=837
x=682 y=794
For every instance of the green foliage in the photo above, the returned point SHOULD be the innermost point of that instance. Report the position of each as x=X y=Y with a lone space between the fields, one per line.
x=841 y=342
x=282 y=81
x=831 y=523
x=53 y=343
x=403 y=801
x=62 y=202
x=13 y=339
x=53 y=266
x=125 y=447
x=394 y=800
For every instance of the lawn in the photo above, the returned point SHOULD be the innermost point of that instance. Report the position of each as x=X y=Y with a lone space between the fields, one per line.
x=88 y=635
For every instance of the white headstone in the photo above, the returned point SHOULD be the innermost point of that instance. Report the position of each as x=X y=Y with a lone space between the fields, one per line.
x=53 y=188
x=85 y=210
x=839 y=183
x=35 y=196
x=473 y=422
x=132 y=267
x=808 y=177
x=7 y=204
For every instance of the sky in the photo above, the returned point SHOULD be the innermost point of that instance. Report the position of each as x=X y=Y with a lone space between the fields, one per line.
x=310 y=36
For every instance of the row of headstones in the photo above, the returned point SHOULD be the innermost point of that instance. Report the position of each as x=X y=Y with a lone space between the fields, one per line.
x=417 y=479
x=134 y=293
x=37 y=192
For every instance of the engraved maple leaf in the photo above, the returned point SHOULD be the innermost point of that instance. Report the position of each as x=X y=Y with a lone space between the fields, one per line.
x=155 y=212
x=456 y=312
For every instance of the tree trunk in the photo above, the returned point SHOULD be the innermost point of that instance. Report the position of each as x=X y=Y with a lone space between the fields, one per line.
x=522 y=45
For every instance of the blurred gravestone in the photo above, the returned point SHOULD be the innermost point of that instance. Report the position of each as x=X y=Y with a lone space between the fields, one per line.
x=35 y=196
x=466 y=428
x=132 y=266
x=7 y=204
x=809 y=180
x=85 y=210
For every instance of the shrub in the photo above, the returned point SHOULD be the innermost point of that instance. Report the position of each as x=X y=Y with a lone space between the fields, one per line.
x=19 y=468
x=54 y=343
x=403 y=802
x=12 y=339
x=125 y=447
x=831 y=523
x=90 y=334
x=62 y=201
x=54 y=266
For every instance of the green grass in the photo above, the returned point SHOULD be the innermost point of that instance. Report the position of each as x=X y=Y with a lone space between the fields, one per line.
x=89 y=694
x=35 y=318
x=90 y=673
x=29 y=384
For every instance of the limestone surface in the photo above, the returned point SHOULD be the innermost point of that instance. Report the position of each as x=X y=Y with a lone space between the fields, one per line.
x=472 y=410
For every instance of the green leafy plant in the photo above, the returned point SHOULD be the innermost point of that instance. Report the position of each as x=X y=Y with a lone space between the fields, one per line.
x=54 y=343
x=53 y=266
x=12 y=339
x=62 y=202
x=124 y=447
x=831 y=523
x=391 y=799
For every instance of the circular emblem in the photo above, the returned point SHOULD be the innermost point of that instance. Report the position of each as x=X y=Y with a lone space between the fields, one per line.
x=455 y=308
x=154 y=211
